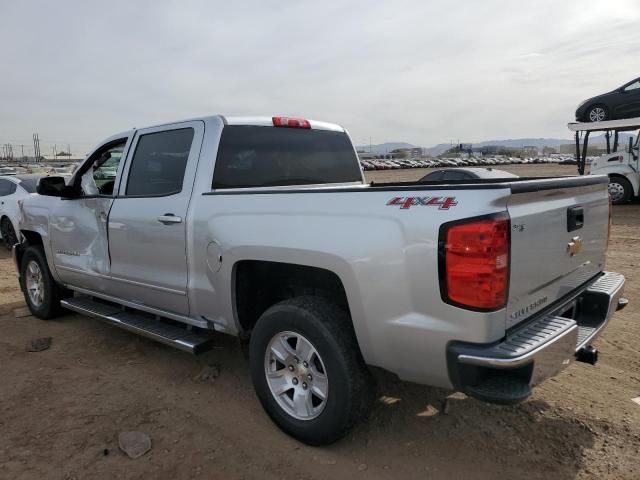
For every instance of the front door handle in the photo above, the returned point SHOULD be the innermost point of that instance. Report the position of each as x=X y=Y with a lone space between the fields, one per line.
x=168 y=218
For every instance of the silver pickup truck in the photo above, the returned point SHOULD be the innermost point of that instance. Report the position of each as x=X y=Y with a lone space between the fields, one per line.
x=265 y=229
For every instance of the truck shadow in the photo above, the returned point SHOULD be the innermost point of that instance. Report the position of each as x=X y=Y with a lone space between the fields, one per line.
x=455 y=433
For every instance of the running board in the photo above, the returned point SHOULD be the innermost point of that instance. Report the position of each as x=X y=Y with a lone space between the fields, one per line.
x=171 y=335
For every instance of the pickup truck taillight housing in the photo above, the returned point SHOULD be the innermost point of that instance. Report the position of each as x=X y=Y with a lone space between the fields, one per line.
x=474 y=262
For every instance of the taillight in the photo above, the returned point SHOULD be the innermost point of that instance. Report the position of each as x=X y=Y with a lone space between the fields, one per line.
x=474 y=262
x=290 y=122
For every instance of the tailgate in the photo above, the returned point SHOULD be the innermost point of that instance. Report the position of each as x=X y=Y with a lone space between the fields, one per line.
x=559 y=231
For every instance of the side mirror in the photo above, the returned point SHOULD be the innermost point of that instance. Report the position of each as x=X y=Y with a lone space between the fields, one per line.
x=53 y=187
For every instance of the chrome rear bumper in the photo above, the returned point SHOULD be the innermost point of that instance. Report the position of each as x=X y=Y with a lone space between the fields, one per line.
x=505 y=372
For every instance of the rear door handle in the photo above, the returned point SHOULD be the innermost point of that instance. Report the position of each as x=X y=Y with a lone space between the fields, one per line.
x=168 y=218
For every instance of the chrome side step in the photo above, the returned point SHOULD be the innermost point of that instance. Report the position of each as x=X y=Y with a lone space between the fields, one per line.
x=141 y=324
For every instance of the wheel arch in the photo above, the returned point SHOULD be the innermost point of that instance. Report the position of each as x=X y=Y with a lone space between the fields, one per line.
x=34 y=238
x=596 y=104
x=632 y=179
x=259 y=284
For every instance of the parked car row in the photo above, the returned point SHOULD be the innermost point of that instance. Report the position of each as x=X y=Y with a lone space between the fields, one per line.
x=384 y=164
x=36 y=168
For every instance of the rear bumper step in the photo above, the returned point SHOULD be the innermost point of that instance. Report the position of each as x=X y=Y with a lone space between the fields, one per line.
x=504 y=372
x=142 y=324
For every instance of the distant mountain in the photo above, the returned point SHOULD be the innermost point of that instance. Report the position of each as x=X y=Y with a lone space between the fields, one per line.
x=511 y=143
x=383 y=147
x=545 y=142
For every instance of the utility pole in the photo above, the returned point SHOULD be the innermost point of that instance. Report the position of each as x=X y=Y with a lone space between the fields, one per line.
x=36 y=147
x=7 y=152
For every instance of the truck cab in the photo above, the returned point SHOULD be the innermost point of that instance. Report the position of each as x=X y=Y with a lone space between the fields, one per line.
x=623 y=169
x=620 y=163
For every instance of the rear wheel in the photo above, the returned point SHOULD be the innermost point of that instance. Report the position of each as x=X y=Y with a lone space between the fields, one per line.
x=307 y=369
x=620 y=190
x=8 y=233
x=41 y=292
x=597 y=113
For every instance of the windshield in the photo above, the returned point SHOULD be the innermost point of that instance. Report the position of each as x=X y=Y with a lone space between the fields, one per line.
x=29 y=184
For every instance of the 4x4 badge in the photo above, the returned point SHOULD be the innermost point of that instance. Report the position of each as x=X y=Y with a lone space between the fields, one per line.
x=443 y=203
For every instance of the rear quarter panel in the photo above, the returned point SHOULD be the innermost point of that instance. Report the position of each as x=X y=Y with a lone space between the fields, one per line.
x=385 y=256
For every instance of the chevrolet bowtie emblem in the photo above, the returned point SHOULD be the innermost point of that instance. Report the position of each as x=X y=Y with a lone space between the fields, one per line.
x=574 y=246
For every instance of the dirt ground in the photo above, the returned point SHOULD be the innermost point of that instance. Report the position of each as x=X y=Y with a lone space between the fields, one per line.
x=61 y=409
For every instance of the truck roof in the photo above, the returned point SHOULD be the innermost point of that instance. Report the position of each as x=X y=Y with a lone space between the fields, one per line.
x=262 y=121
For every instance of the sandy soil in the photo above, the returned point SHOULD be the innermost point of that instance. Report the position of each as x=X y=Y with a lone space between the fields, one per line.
x=62 y=409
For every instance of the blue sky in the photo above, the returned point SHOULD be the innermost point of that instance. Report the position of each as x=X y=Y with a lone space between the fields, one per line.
x=415 y=71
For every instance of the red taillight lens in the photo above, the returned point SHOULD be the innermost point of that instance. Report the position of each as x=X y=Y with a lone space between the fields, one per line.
x=290 y=122
x=474 y=269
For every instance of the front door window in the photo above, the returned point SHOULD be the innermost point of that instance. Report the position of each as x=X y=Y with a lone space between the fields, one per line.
x=101 y=176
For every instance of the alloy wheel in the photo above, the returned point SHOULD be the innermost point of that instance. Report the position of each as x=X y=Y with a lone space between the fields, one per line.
x=35 y=284
x=296 y=375
x=597 y=114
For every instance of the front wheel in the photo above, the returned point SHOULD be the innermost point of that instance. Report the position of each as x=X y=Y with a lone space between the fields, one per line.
x=620 y=190
x=8 y=233
x=41 y=292
x=597 y=113
x=307 y=369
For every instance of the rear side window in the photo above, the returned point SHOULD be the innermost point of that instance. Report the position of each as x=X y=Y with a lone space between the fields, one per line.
x=451 y=175
x=6 y=187
x=29 y=184
x=251 y=156
x=159 y=163
x=433 y=177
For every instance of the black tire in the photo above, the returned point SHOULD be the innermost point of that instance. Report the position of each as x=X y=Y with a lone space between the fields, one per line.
x=8 y=233
x=52 y=292
x=350 y=384
x=597 y=113
x=620 y=190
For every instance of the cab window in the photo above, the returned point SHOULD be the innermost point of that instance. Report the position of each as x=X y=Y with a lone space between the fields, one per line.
x=159 y=163
x=633 y=86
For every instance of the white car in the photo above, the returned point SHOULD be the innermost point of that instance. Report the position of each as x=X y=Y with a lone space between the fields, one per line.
x=12 y=189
